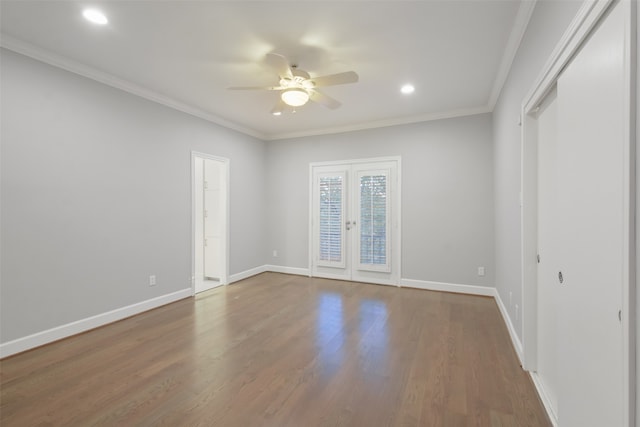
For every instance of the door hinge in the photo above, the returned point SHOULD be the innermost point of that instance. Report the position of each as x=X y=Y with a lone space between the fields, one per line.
x=538 y=258
x=206 y=185
x=620 y=315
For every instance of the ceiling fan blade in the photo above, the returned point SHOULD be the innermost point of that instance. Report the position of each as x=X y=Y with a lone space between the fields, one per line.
x=336 y=79
x=279 y=108
x=280 y=64
x=255 y=88
x=323 y=99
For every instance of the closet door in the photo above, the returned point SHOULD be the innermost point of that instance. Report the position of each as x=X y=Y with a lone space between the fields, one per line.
x=548 y=244
x=593 y=166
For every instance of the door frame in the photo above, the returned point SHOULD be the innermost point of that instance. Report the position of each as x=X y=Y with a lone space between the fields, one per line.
x=580 y=29
x=396 y=240
x=224 y=265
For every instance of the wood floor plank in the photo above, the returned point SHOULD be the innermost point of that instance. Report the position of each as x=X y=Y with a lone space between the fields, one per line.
x=281 y=350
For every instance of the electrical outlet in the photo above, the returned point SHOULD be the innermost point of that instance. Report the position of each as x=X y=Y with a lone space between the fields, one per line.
x=480 y=271
x=275 y=253
x=152 y=280
x=517 y=313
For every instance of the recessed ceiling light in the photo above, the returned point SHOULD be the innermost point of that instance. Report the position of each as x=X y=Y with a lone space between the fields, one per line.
x=407 y=89
x=95 y=16
x=277 y=113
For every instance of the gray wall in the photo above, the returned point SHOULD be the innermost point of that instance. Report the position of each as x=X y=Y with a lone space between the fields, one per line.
x=447 y=195
x=549 y=21
x=637 y=133
x=96 y=196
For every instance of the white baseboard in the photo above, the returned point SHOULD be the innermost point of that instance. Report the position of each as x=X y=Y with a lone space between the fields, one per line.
x=545 y=399
x=247 y=273
x=267 y=267
x=54 y=334
x=448 y=287
x=517 y=345
x=287 y=270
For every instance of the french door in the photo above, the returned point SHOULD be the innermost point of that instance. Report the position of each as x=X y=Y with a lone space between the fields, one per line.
x=355 y=221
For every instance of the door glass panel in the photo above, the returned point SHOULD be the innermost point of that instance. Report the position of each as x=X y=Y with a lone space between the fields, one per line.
x=373 y=220
x=331 y=208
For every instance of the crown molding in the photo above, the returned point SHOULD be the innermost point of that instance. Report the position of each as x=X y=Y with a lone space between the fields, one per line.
x=75 y=67
x=385 y=123
x=515 y=38
x=70 y=65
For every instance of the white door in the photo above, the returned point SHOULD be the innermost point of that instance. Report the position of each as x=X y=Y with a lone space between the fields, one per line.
x=212 y=219
x=547 y=366
x=593 y=228
x=355 y=221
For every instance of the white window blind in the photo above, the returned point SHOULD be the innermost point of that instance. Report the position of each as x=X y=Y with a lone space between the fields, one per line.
x=373 y=220
x=331 y=212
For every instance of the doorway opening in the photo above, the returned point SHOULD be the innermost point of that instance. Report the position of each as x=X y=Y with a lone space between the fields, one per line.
x=210 y=221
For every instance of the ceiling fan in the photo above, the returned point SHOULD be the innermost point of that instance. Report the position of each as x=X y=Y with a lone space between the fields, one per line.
x=297 y=87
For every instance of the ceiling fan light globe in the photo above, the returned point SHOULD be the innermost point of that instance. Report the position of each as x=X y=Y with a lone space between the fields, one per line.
x=295 y=97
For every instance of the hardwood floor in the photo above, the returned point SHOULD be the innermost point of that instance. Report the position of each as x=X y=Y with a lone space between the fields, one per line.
x=281 y=350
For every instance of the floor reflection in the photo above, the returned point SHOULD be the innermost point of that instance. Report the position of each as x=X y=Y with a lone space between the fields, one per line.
x=341 y=331
x=211 y=333
x=330 y=332
x=373 y=345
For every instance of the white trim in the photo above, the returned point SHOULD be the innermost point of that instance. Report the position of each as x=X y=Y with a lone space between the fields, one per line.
x=375 y=281
x=517 y=344
x=310 y=228
x=448 y=287
x=367 y=280
x=419 y=118
x=515 y=38
x=630 y=214
x=546 y=402
x=330 y=276
x=54 y=334
x=247 y=273
x=579 y=29
x=357 y=161
x=70 y=65
x=287 y=270
x=75 y=67
x=397 y=251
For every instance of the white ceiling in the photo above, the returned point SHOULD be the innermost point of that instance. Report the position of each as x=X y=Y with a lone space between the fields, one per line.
x=186 y=53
